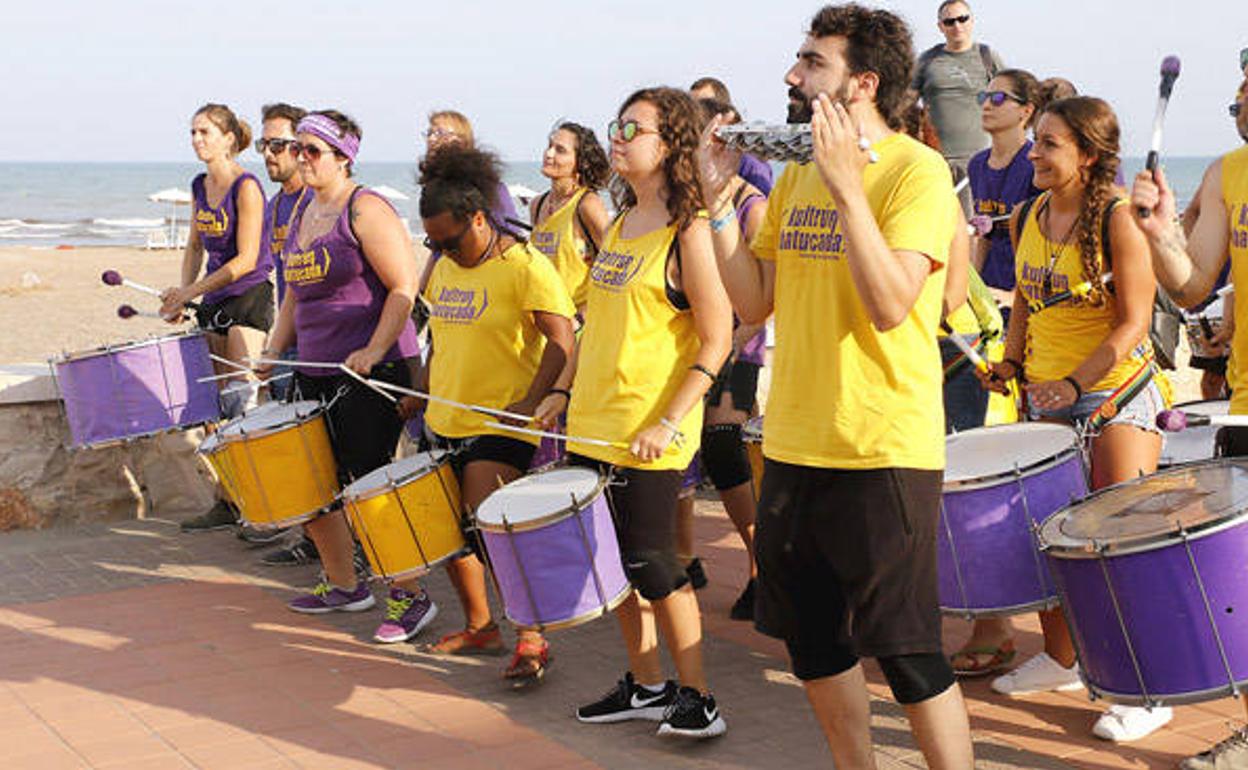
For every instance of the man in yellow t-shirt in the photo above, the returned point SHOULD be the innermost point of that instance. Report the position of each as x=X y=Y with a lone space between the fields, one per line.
x=1188 y=271
x=851 y=258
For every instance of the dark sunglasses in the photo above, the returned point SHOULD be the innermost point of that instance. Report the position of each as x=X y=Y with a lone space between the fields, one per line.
x=450 y=245
x=309 y=151
x=996 y=97
x=1243 y=58
x=949 y=22
x=277 y=146
x=1235 y=109
x=627 y=131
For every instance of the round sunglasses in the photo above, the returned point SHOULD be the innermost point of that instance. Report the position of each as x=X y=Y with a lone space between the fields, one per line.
x=627 y=131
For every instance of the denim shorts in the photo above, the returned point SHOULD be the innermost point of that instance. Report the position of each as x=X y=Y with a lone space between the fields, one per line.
x=1140 y=411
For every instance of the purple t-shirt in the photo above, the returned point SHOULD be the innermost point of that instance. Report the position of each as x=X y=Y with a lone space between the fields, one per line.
x=218 y=228
x=277 y=215
x=756 y=172
x=754 y=351
x=996 y=193
x=339 y=296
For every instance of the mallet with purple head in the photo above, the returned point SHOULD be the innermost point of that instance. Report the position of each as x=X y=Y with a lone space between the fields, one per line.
x=1169 y=74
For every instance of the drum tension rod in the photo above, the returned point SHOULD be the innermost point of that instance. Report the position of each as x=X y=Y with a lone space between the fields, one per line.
x=1213 y=624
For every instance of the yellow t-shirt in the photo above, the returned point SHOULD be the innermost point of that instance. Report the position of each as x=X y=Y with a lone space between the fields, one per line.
x=844 y=394
x=1061 y=337
x=1235 y=194
x=557 y=238
x=636 y=350
x=486 y=345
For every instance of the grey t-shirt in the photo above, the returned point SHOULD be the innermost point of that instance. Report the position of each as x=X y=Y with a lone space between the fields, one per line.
x=948 y=83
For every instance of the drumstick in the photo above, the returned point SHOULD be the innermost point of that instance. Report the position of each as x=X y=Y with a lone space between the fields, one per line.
x=1174 y=420
x=279 y=362
x=1079 y=290
x=215 y=377
x=560 y=436
x=971 y=354
x=370 y=384
x=456 y=404
x=114 y=278
x=228 y=362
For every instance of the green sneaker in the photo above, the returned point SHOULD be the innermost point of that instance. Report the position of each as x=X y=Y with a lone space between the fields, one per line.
x=220 y=516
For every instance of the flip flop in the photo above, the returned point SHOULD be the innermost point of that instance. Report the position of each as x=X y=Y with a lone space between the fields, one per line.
x=999 y=659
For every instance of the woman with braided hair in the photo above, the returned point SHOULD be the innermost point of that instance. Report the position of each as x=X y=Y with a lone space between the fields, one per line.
x=1085 y=361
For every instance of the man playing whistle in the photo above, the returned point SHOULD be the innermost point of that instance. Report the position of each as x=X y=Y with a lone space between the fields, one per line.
x=1188 y=270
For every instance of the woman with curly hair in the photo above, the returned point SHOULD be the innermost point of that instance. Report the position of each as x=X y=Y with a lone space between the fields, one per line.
x=657 y=327
x=504 y=354
x=1086 y=361
x=569 y=219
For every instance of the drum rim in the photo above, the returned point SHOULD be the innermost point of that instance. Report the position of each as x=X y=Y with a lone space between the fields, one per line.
x=545 y=519
x=441 y=457
x=317 y=411
x=1022 y=471
x=112 y=443
x=419 y=571
x=1093 y=549
x=1177 y=699
x=1049 y=603
x=577 y=620
x=79 y=355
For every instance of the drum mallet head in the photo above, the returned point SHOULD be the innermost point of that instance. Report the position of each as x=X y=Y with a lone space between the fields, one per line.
x=126 y=311
x=1172 y=420
x=111 y=277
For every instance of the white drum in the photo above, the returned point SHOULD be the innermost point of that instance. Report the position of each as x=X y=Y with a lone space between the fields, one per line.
x=1192 y=444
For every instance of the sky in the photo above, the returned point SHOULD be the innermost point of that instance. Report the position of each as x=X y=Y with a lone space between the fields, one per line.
x=118 y=80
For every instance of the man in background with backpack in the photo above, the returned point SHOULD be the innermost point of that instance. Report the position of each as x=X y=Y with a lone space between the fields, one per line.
x=948 y=77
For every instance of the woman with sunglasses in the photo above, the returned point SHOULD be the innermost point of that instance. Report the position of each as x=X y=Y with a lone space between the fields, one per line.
x=570 y=219
x=501 y=325
x=227 y=220
x=1086 y=361
x=350 y=278
x=658 y=327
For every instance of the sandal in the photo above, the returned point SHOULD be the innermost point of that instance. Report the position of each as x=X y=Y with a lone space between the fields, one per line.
x=983 y=660
x=529 y=664
x=470 y=641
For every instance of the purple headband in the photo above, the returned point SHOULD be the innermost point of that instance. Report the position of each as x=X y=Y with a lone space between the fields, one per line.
x=322 y=126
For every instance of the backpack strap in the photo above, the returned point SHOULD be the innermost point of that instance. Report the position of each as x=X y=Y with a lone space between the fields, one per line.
x=538 y=208
x=985 y=55
x=580 y=220
x=1024 y=211
x=1107 y=246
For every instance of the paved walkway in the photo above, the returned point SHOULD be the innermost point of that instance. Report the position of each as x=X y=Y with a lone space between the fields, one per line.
x=132 y=646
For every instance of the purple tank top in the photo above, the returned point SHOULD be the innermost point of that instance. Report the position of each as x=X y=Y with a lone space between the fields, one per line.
x=755 y=350
x=996 y=192
x=339 y=296
x=278 y=214
x=218 y=228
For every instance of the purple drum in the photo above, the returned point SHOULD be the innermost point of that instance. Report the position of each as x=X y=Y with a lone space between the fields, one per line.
x=551 y=545
x=137 y=389
x=1000 y=483
x=1192 y=444
x=1153 y=576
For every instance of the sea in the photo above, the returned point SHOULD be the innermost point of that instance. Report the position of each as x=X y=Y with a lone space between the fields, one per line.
x=106 y=204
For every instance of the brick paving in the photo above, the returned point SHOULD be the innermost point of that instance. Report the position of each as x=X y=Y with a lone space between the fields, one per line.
x=130 y=645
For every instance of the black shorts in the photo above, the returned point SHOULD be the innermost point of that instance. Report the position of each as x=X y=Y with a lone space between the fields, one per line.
x=500 y=449
x=643 y=506
x=847 y=559
x=1231 y=441
x=740 y=378
x=364 y=427
x=252 y=308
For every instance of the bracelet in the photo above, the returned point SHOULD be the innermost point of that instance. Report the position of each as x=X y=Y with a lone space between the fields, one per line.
x=704 y=370
x=561 y=391
x=719 y=224
x=678 y=435
x=1075 y=384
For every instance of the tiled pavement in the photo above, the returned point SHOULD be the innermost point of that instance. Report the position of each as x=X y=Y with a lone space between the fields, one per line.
x=132 y=646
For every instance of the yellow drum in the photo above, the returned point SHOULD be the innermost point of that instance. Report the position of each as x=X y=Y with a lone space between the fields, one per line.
x=752 y=435
x=406 y=515
x=276 y=463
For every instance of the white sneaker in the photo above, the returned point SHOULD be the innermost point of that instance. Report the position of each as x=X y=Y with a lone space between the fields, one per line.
x=1130 y=723
x=1038 y=674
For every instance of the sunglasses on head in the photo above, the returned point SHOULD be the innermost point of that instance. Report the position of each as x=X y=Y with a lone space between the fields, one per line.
x=277 y=146
x=997 y=98
x=952 y=20
x=449 y=245
x=309 y=151
x=627 y=131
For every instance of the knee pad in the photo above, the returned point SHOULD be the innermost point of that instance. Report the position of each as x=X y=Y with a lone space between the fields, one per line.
x=915 y=678
x=816 y=661
x=724 y=455
x=654 y=574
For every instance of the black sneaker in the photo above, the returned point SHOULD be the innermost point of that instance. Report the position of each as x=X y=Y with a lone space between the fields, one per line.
x=302 y=552
x=693 y=715
x=697 y=575
x=220 y=516
x=743 y=607
x=628 y=700
x=261 y=535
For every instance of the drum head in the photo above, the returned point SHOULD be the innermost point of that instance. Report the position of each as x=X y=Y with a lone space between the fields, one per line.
x=984 y=453
x=539 y=495
x=1152 y=509
x=267 y=418
x=1193 y=444
x=753 y=429
x=399 y=471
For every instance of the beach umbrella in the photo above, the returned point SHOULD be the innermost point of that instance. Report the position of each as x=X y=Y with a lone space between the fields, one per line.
x=175 y=197
x=390 y=192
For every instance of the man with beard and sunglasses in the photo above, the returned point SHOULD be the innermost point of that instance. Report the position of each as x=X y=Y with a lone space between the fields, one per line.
x=851 y=256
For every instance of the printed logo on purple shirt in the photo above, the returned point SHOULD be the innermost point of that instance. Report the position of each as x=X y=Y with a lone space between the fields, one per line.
x=209 y=223
x=306 y=267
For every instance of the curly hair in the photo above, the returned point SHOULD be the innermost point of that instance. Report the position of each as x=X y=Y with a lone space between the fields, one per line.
x=1095 y=128
x=1024 y=85
x=459 y=179
x=877 y=41
x=1052 y=89
x=592 y=167
x=678 y=129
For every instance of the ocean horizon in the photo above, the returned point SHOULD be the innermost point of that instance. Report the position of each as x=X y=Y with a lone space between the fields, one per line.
x=49 y=204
